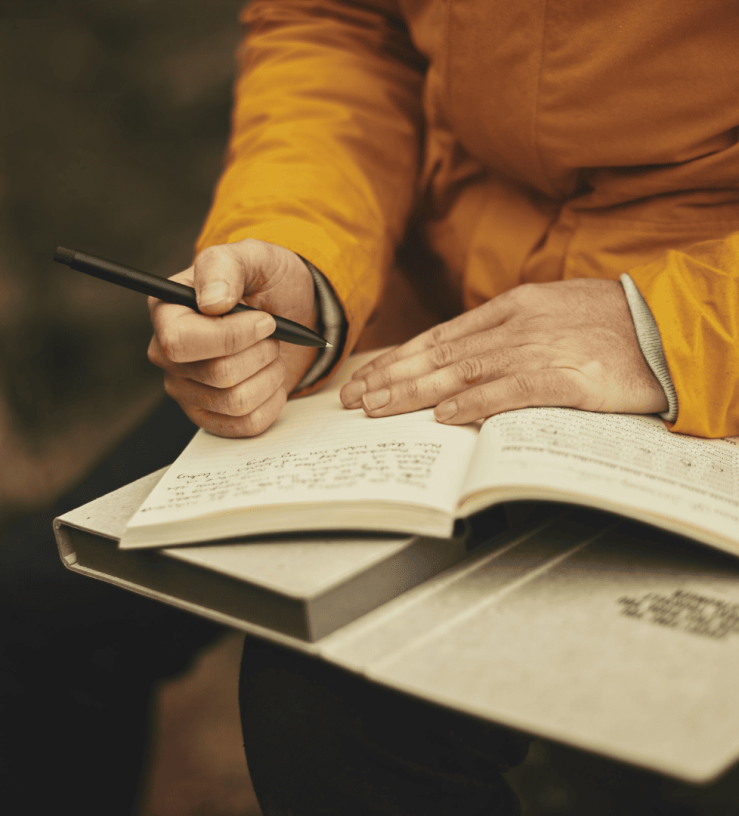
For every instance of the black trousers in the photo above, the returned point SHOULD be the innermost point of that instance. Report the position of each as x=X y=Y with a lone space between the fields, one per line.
x=79 y=660
x=323 y=742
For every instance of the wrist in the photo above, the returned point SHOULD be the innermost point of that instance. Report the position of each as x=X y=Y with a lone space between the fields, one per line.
x=331 y=325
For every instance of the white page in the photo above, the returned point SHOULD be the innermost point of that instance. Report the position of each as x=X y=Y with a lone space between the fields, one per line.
x=317 y=451
x=626 y=463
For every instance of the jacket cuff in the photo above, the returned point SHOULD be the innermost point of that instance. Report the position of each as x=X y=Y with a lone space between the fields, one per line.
x=333 y=328
x=650 y=343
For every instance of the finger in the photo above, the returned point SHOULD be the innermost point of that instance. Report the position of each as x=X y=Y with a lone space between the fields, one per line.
x=428 y=390
x=185 y=336
x=481 y=356
x=240 y=400
x=477 y=358
x=219 y=372
x=376 y=362
x=489 y=315
x=384 y=377
x=172 y=311
x=219 y=278
x=553 y=387
x=224 y=273
x=232 y=427
x=381 y=377
x=431 y=388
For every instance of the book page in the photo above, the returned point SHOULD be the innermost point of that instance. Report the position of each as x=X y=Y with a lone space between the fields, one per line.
x=317 y=451
x=627 y=463
x=626 y=644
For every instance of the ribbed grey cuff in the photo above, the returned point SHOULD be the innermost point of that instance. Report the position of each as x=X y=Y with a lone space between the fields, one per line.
x=650 y=343
x=333 y=328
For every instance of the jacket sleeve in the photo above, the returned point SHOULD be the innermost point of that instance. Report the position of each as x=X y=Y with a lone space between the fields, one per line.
x=325 y=143
x=694 y=298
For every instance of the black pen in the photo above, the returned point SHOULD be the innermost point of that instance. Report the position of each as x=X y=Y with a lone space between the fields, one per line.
x=172 y=292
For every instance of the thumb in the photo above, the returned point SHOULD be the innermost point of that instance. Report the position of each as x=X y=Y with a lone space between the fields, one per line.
x=219 y=279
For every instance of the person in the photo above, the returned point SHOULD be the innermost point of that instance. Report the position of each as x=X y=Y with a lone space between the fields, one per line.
x=560 y=183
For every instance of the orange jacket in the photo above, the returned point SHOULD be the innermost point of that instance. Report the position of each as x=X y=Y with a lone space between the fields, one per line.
x=529 y=141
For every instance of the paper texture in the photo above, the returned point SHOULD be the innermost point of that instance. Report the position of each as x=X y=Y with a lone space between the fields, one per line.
x=317 y=452
x=627 y=464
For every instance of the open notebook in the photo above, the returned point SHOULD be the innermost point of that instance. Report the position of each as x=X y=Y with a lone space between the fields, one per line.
x=324 y=468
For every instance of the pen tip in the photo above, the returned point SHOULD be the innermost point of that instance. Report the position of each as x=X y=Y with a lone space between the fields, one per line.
x=64 y=255
x=328 y=345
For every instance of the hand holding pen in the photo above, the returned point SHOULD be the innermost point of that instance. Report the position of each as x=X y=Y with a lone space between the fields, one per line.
x=230 y=375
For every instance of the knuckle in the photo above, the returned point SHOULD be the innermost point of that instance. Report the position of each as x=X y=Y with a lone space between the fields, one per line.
x=470 y=370
x=382 y=378
x=258 y=256
x=506 y=299
x=595 y=370
x=211 y=254
x=522 y=384
x=525 y=292
x=523 y=296
x=249 y=246
x=474 y=403
x=258 y=421
x=198 y=417
x=480 y=405
x=152 y=352
x=230 y=337
x=221 y=425
x=217 y=263
x=221 y=373
x=379 y=378
x=413 y=390
x=237 y=401
x=442 y=355
x=388 y=359
x=437 y=334
x=577 y=395
x=170 y=341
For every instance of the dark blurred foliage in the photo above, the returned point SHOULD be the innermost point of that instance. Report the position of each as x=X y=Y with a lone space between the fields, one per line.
x=114 y=122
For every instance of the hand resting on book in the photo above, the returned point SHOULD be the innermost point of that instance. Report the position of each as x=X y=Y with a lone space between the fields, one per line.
x=565 y=344
x=226 y=373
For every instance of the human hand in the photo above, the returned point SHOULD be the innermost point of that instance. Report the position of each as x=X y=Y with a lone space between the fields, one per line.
x=226 y=373
x=568 y=343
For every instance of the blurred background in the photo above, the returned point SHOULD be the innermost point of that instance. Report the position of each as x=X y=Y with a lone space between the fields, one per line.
x=115 y=119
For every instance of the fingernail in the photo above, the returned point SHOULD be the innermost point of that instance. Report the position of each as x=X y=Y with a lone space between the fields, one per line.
x=445 y=411
x=353 y=391
x=265 y=325
x=376 y=399
x=213 y=293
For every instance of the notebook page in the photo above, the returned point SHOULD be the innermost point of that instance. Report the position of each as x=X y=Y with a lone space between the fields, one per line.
x=317 y=451
x=627 y=463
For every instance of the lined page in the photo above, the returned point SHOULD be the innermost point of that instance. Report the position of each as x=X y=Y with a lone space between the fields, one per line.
x=627 y=463
x=317 y=451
